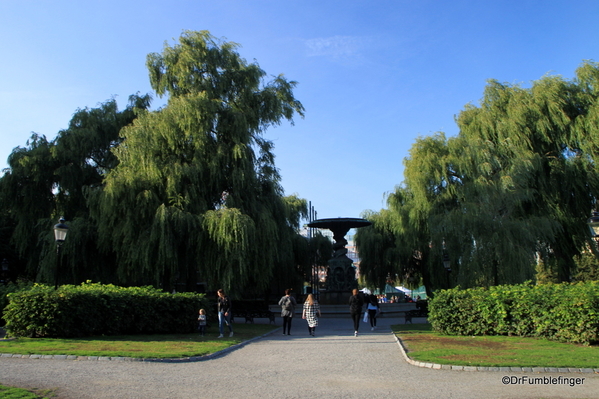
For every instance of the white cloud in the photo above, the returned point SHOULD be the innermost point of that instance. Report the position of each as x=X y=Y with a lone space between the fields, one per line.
x=336 y=46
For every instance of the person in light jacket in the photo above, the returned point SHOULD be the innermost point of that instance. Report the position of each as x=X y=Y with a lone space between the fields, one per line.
x=373 y=310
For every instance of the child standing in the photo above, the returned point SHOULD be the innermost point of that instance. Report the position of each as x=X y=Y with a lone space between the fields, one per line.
x=202 y=322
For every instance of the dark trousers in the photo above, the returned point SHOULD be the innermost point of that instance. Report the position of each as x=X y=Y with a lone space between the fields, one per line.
x=287 y=324
x=356 y=318
x=372 y=317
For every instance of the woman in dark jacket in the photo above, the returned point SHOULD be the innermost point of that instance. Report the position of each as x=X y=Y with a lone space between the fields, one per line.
x=224 y=313
x=355 y=309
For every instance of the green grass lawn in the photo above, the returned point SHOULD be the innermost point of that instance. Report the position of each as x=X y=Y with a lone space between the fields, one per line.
x=427 y=346
x=20 y=393
x=423 y=345
x=137 y=346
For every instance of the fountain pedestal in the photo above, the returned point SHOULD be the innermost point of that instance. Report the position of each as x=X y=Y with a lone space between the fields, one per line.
x=341 y=273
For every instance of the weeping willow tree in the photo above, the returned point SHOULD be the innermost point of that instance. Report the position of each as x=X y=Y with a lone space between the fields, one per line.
x=510 y=192
x=47 y=179
x=378 y=251
x=196 y=195
x=399 y=241
x=529 y=188
x=26 y=196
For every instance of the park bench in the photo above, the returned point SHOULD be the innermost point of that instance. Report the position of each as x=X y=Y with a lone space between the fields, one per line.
x=250 y=314
x=420 y=311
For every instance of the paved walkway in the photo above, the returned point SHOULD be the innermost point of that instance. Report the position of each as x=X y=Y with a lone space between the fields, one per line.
x=334 y=364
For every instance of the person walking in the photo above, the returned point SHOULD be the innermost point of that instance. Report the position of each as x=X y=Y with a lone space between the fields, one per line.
x=287 y=304
x=355 y=309
x=311 y=313
x=224 y=313
x=373 y=310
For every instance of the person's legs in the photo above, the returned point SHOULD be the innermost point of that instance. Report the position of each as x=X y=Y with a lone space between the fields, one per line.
x=221 y=322
x=285 y=324
x=228 y=320
x=372 y=317
x=356 y=318
x=289 y=325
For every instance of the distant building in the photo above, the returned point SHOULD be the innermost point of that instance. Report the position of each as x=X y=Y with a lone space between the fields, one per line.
x=352 y=253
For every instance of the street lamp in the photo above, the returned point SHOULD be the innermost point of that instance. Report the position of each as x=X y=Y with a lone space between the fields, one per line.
x=593 y=223
x=5 y=271
x=446 y=262
x=60 y=234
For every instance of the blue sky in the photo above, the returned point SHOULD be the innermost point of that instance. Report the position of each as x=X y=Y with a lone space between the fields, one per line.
x=372 y=75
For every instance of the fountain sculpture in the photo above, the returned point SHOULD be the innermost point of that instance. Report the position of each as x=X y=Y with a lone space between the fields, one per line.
x=341 y=273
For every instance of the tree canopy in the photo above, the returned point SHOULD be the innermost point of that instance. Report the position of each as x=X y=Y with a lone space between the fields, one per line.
x=171 y=197
x=507 y=197
x=47 y=179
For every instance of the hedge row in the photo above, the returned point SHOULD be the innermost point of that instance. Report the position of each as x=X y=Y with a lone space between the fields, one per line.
x=9 y=288
x=95 y=309
x=562 y=312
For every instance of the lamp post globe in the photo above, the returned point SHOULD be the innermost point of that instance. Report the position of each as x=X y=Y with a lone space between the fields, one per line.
x=446 y=262
x=60 y=231
x=60 y=234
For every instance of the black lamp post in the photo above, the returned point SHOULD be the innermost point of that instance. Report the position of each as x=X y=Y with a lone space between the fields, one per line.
x=4 y=271
x=60 y=234
x=447 y=265
x=446 y=262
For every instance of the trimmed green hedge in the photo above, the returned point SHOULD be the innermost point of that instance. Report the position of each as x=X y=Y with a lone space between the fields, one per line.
x=96 y=309
x=9 y=288
x=562 y=312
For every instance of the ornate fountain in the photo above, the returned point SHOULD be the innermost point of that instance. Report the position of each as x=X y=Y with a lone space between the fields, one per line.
x=341 y=273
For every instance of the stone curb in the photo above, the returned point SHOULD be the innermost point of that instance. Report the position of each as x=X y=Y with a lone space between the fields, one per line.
x=136 y=359
x=436 y=366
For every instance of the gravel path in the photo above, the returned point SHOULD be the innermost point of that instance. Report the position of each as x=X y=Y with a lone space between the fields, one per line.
x=334 y=364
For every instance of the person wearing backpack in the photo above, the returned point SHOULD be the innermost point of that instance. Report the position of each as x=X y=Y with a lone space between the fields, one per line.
x=287 y=304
